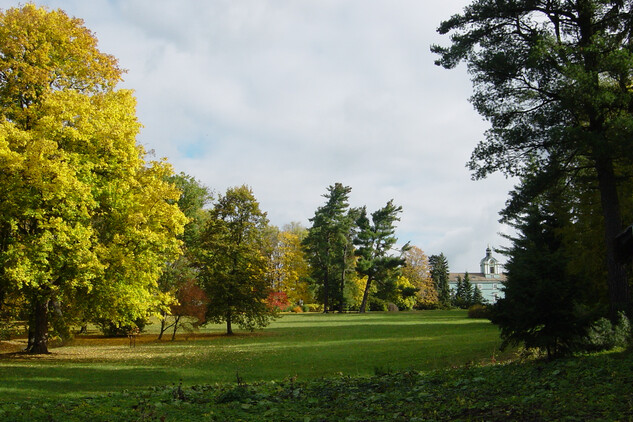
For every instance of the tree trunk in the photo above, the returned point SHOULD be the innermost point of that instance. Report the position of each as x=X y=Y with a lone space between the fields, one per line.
x=229 y=329
x=176 y=321
x=619 y=294
x=363 y=305
x=162 y=325
x=326 y=293
x=38 y=334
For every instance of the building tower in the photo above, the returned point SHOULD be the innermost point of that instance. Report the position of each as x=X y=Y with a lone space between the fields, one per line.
x=489 y=265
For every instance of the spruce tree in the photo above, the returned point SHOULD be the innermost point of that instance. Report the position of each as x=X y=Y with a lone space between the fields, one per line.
x=540 y=304
x=478 y=297
x=440 y=274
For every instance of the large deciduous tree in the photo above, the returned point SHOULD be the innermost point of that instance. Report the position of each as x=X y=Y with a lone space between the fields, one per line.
x=375 y=240
x=417 y=271
x=288 y=266
x=554 y=79
x=180 y=275
x=85 y=222
x=232 y=261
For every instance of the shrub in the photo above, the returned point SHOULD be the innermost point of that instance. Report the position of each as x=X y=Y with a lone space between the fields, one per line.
x=602 y=335
x=278 y=300
x=297 y=309
x=315 y=307
x=478 y=311
x=392 y=307
x=7 y=330
x=113 y=329
x=305 y=308
x=376 y=304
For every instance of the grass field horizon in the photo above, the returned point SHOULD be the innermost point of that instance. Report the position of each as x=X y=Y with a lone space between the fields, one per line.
x=305 y=346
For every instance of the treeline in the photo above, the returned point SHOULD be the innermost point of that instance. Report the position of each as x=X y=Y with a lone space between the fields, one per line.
x=238 y=268
x=92 y=231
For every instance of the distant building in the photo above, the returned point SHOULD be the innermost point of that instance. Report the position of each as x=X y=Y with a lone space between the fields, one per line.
x=490 y=279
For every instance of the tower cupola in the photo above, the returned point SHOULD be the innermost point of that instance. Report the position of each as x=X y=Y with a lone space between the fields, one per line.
x=489 y=265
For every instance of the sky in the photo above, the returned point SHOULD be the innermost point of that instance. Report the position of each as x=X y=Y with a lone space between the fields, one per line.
x=292 y=96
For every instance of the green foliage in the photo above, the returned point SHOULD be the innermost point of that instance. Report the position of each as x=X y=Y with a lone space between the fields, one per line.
x=328 y=247
x=374 y=241
x=463 y=297
x=439 y=275
x=602 y=335
x=478 y=297
x=232 y=261
x=479 y=311
x=179 y=277
x=117 y=329
x=541 y=304
x=553 y=79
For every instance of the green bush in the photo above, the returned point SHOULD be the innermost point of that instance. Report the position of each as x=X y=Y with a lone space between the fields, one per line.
x=113 y=329
x=478 y=311
x=7 y=330
x=376 y=304
x=602 y=335
x=315 y=307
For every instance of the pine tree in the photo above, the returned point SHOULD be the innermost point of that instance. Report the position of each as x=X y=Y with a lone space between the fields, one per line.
x=554 y=79
x=440 y=274
x=328 y=246
x=375 y=240
x=478 y=297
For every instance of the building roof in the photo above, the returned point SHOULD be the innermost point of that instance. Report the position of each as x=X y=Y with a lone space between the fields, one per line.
x=478 y=278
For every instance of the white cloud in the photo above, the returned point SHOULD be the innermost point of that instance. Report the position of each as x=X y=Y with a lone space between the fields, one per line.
x=290 y=97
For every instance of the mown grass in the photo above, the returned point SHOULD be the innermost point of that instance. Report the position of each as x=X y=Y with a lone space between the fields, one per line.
x=302 y=347
x=586 y=388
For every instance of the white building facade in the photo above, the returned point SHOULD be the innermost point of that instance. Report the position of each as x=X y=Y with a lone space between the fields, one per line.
x=489 y=280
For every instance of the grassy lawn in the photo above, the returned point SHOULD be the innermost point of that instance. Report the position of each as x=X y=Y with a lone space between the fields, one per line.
x=305 y=346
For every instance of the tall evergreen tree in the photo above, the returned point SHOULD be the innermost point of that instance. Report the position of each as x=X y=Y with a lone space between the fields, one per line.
x=328 y=246
x=375 y=239
x=478 y=297
x=554 y=79
x=464 y=293
x=439 y=274
x=540 y=304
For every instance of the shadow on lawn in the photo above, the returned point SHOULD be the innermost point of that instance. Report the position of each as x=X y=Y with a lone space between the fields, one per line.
x=22 y=382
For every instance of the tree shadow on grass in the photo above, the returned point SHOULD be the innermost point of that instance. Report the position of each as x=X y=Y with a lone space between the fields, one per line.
x=21 y=382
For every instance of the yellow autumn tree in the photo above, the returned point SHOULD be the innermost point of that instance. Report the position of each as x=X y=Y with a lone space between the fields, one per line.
x=86 y=223
x=417 y=272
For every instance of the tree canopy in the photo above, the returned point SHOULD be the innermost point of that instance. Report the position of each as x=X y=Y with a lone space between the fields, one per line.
x=329 y=247
x=232 y=261
x=374 y=240
x=554 y=79
x=85 y=221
